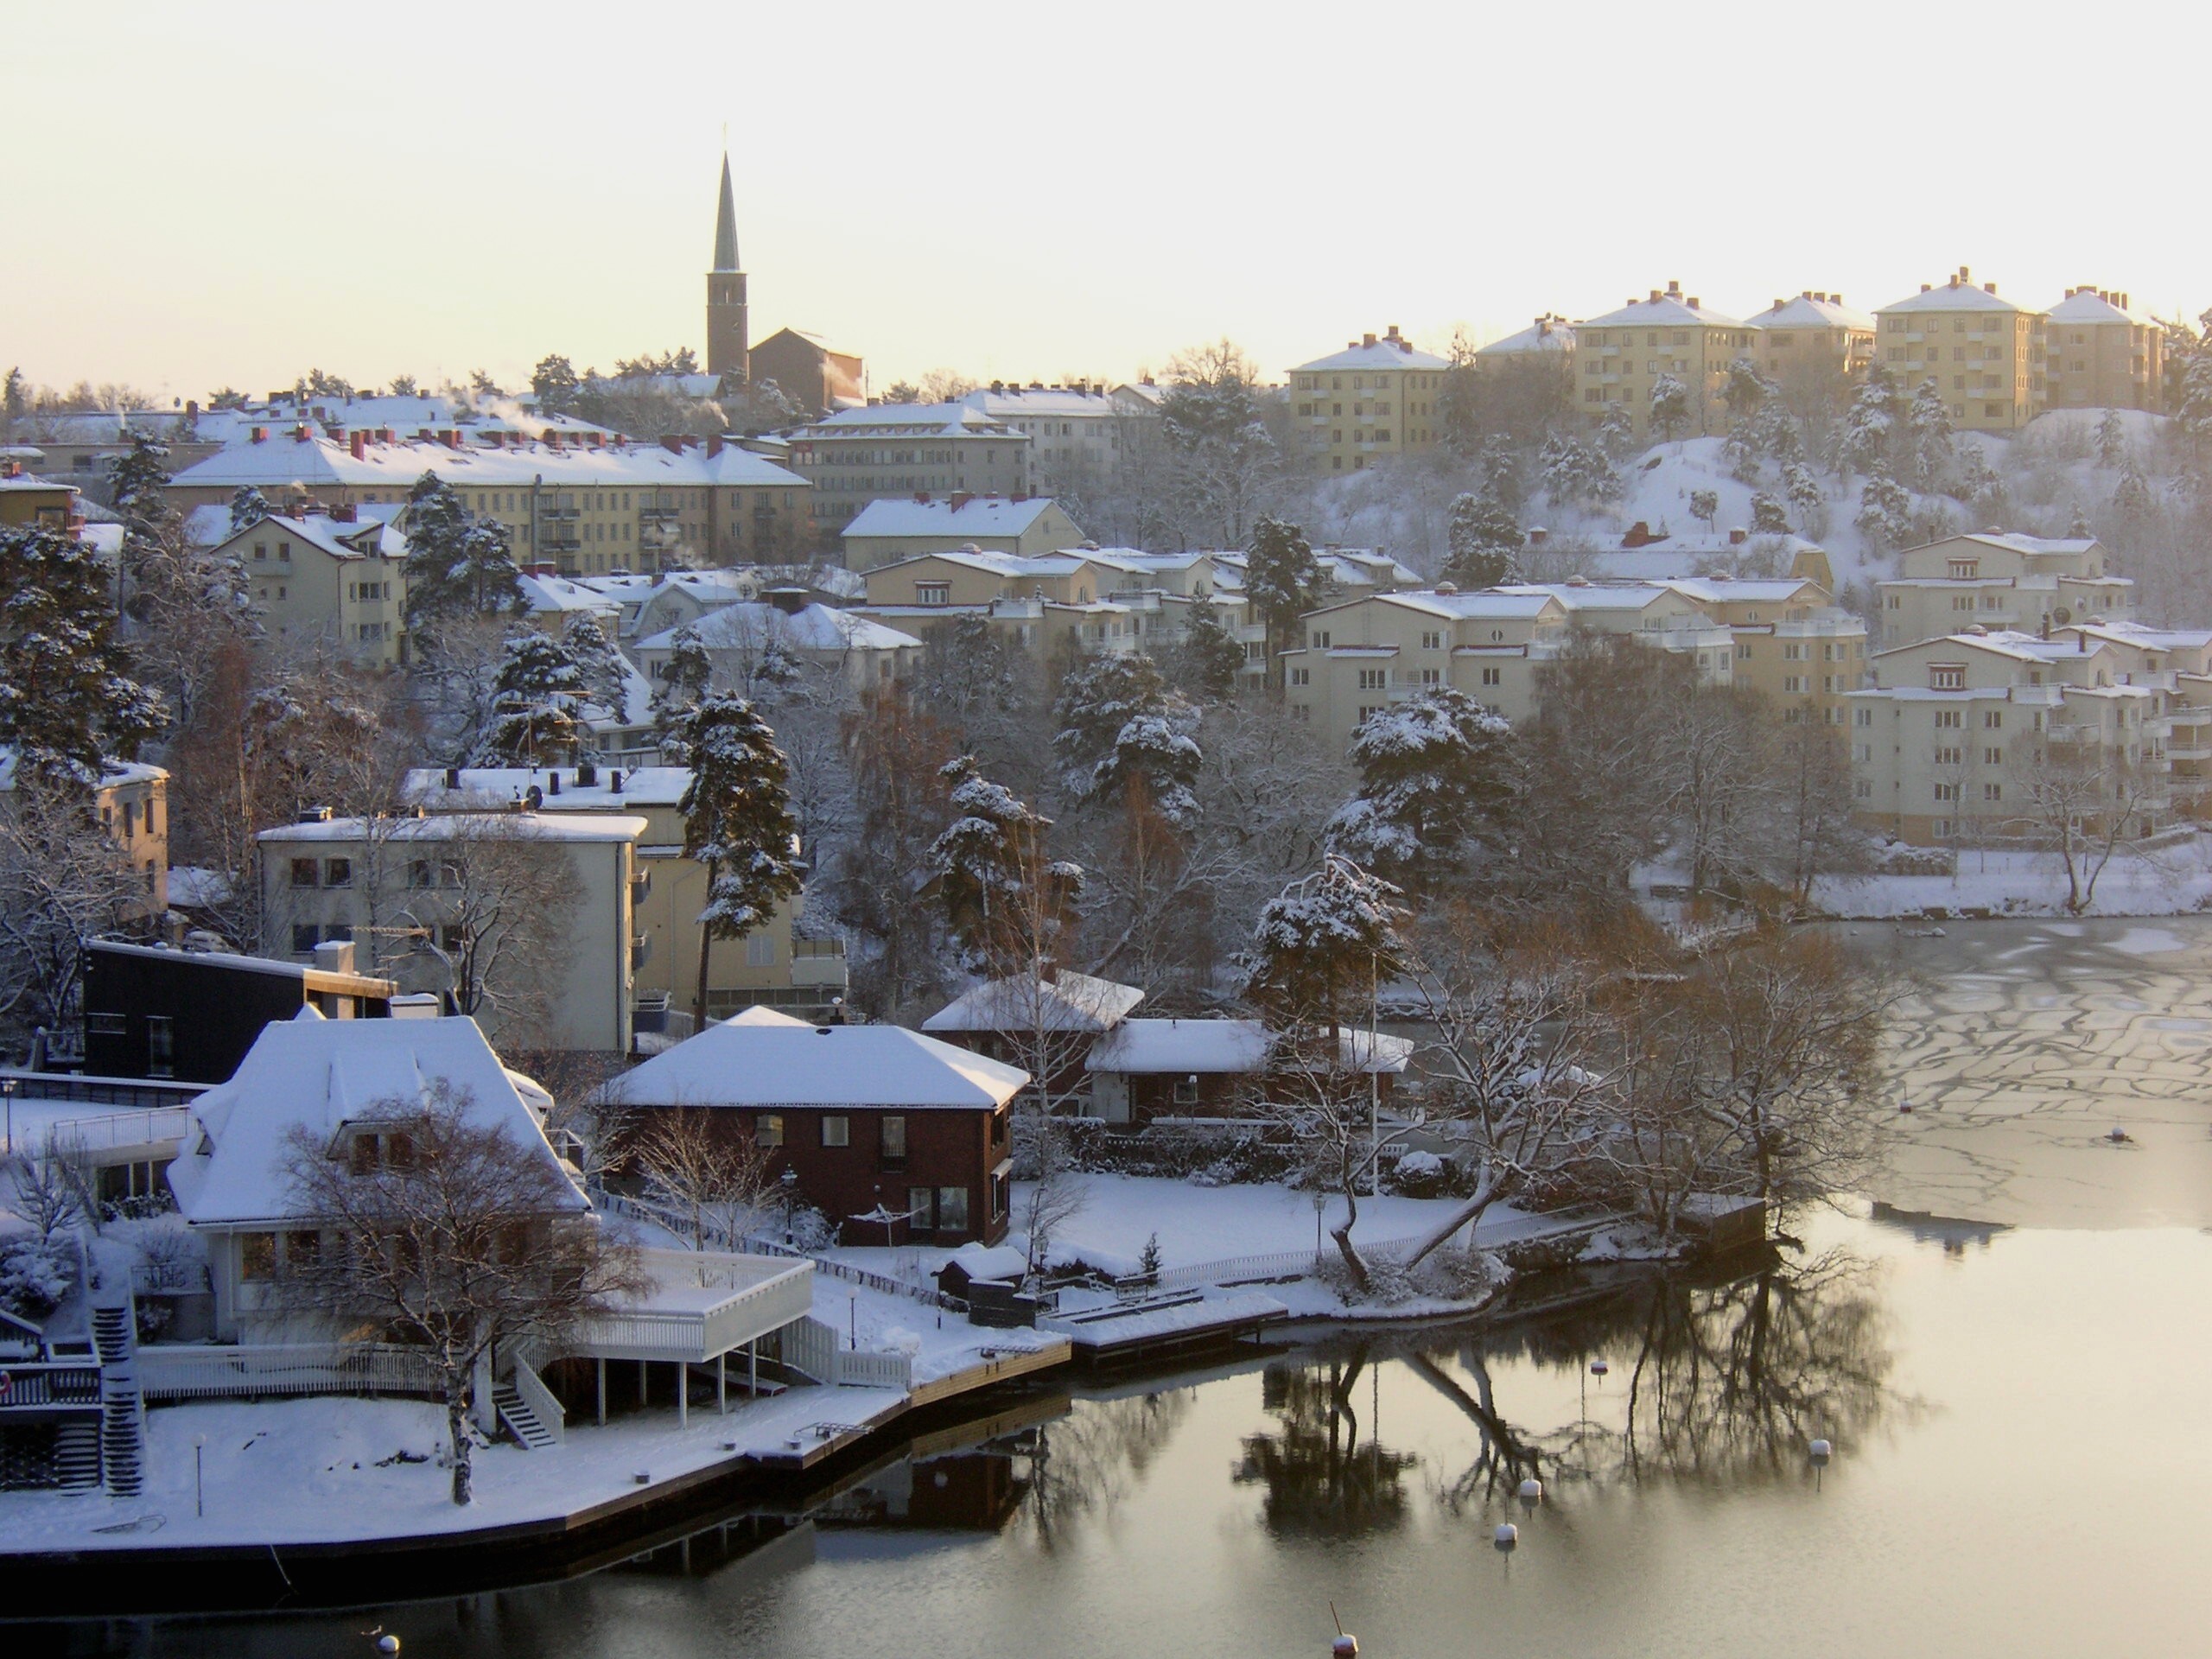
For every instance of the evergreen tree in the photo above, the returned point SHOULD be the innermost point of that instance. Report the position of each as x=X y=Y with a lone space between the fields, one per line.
x=2133 y=500
x=1744 y=391
x=1118 y=722
x=1806 y=497
x=1617 y=433
x=1501 y=469
x=1705 y=505
x=1004 y=899
x=2112 y=441
x=737 y=822
x=684 y=678
x=599 y=666
x=535 y=703
x=403 y=385
x=457 y=564
x=1869 y=425
x=1670 y=406
x=555 y=382
x=248 y=508
x=1933 y=446
x=1769 y=517
x=1205 y=662
x=1884 y=512
x=1436 y=780
x=15 y=400
x=67 y=700
x=1483 y=542
x=2078 y=528
x=1318 y=948
x=1282 y=579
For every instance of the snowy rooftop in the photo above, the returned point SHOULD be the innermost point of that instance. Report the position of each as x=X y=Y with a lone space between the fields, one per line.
x=1182 y=1046
x=2033 y=545
x=559 y=594
x=341 y=539
x=812 y=627
x=758 y=1063
x=959 y=515
x=318 y=1075
x=531 y=826
x=2087 y=305
x=1392 y=352
x=1597 y=595
x=1069 y=1001
x=1957 y=295
x=268 y=965
x=2144 y=637
x=1810 y=310
x=2021 y=647
x=284 y=459
x=1504 y=604
x=1669 y=310
x=484 y=787
x=1737 y=590
x=113 y=773
x=1545 y=334
x=1062 y=401
x=912 y=419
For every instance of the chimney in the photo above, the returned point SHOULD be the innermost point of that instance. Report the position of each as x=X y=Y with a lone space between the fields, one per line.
x=789 y=600
x=614 y=780
x=192 y=408
x=673 y=443
x=1655 y=297
x=1692 y=302
x=921 y=497
x=452 y=436
x=1367 y=340
x=586 y=775
x=714 y=445
x=300 y=433
x=1924 y=287
x=359 y=443
x=1990 y=287
x=452 y=777
x=1776 y=306
x=1738 y=535
x=345 y=513
x=553 y=781
x=958 y=499
x=1538 y=535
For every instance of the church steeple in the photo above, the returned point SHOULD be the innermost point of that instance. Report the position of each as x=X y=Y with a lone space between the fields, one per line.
x=728 y=343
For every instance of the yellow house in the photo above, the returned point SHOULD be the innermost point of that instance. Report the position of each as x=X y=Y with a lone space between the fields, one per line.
x=1622 y=356
x=132 y=801
x=2102 y=355
x=1792 y=645
x=27 y=499
x=328 y=578
x=1374 y=399
x=1811 y=344
x=1997 y=581
x=1985 y=354
x=891 y=529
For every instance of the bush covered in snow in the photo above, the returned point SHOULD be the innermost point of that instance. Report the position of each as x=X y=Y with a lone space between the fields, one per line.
x=34 y=1277
x=1417 y=1175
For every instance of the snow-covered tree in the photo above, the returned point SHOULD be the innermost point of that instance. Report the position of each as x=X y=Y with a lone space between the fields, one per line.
x=1806 y=497
x=1933 y=446
x=535 y=704
x=1884 y=512
x=1282 y=579
x=2133 y=500
x=1437 y=780
x=139 y=482
x=1485 y=542
x=737 y=822
x=1617 y=433
x=1670 y=406
x=684 y=678
x=1222 y=455
x=555 y=383
x=1744 y=391
x=1705 y=505
x=1204 y=661
x=457 y=563
x=1005 y=898
x=1118 y=723
x=2078 y=527
x=248 y=508
x=1501 y=470
x=599 y=666
x=1869 y=425
x=67 y=699
x=2112 y=441
x=1769 y=516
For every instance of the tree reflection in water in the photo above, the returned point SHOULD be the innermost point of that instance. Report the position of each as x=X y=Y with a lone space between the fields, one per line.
x=1088 y=1460
x=1726 y=1384
x=1320 y=1478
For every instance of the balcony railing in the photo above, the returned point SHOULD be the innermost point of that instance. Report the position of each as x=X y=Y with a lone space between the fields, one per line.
x=39 y=1386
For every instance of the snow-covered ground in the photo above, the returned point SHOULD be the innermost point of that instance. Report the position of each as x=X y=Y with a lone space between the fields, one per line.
x=2169 y=880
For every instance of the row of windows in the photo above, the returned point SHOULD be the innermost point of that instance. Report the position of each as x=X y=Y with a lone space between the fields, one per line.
x=1380 y=382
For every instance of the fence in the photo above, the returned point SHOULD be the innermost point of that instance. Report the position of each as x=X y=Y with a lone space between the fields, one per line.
x=110 y=1130
x=810 y=1346
x=98 y=1092
x=747 y=1244
x=219 y=1373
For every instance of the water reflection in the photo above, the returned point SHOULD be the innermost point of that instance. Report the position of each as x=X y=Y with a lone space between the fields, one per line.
x=1089 y=1461
x=1320 y=1478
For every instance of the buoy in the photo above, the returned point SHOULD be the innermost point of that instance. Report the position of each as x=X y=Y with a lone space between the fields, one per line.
x=1599 y=1367
x=387 y=1644
x=1346 y=1647
x=2116 y=1134
x=1821 y=1451
x=1506 y=1536
x=1904 y=1106
x=1532 y=1491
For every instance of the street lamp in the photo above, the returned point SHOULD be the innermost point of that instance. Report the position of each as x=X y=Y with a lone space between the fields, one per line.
x=8 y=1087
x=199 y=1498
x=789 y=1183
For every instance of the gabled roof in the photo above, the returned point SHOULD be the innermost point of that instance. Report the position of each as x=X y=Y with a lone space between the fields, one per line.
x=340 y=539
x=2087 y=305
x=1812 y=311
x=764 y=1064
x=318 y=1075
x=1067 y=1002
x=964 y=515
x=1163 y=1046
x=1371 y=353
x=1666 y=310
x=1957 y=295
x=812 y=627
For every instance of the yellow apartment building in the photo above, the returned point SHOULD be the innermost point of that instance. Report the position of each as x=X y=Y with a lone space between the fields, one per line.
x=2102 y=355
x=1374 y=399
x=893 y=528
x=1998 y=580
x=328 y=578
x=1621 y=356
x=1792 y=645
x=1812 y=342
x=904 y=450
x=1986 y=354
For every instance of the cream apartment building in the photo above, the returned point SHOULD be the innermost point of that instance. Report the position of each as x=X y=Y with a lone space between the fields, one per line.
x=328 y=578
x=1548 y=340
x=1812 y=342
x=1621 y=356
x=1374 y=399
x=1998 y=580
x=895 y=527
x=773 y=964
x=132 y=801
x=2101 y=354
x=2179 y=662
x=887 y=450
x=1986 y=354
x=1792 y=643
x=1943 y=743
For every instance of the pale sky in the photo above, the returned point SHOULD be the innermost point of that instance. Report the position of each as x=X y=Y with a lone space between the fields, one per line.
x=227 y=193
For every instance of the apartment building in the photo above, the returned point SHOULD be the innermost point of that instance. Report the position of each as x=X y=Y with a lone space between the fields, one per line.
x=773 y=965
x=588 y=508
x=1621 y=356
x=829 y=646
x=1999 y=581
x=2177 y=661
x=1945 y=745
x=132 y=801
x=1986 y=354
x=1548 y=340
x=328 y=578
x=2101 y=355
x=1080 y=437
x=1374 y=399
x=860 y=455
x=1792 y=645
x=1811 y=342
x=893 y=528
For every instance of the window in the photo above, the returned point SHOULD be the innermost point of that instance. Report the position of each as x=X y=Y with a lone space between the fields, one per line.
x=1947 y=792
x=837 y=1130
x=1433 y=641
x=1947 y=720
x=1994 y=721
x=1946 y=756
x=1318 y=641
x=1948 y=676
x=1374 y=679
x=1862 y=717
x=759 y=950
x=1493 y=676
x=952 y=1209
x=305 y=872
x=768 y=1129
x=338 y=873
x=921 y=1207
x=304 y=935
x=1993 y=791
x=932 y=593
x=161 y=1045
x=894 y=1139
x=1186 y=1091
x=257 y=1256
x=1301 y=677
x=1993 y=756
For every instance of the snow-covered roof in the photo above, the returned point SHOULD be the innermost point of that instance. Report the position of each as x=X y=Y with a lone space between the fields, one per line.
x=1667 y=310
x=1181 y=1046
x=2088 y=305
x=912 y=419
x=528 y=826
x=2143 y=636
x=340 y=539
x=320 y=1075
x=1062 y=403
x=1738 y=590
x=955 y=515
x=1391 y=351
x=1957 y=295
x=2002 y=642
x=1067 y=1002
x=989 y=1263
x=26 y=482
x=1489 y=602
x=1810 y=310
x=1596 y=595
x=493 y=787
x=284 y=459
x=550 y=593
x=2033 y=545
x=756 y=1063
x=113 y=773
x=1544 y=334
x=811 y=627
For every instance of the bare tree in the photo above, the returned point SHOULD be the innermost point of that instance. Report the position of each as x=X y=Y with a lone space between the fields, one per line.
x=717 y=1182
x=2084 y=795
x=449 y=1232
x=1056 y=1197
x=63 y=879
x=492 y=899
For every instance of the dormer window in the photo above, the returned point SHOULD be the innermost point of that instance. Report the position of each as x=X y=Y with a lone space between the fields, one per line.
x=1947 y=676
x=1964 y=569
x=388 y=1149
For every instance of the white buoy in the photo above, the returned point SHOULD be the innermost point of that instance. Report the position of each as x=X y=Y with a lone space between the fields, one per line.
x=2116 y=1135
x=1599 y=1367
x=1904 y=1105
x=1532 y=1491
x=1506 y=1536
x=1821 y=1451
x=387 y=1644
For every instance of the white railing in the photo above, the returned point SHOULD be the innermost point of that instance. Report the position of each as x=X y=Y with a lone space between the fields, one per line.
x=181 y=1373
x=812 y=1348
x=750 y=1244
x=154 y=1126
x=763 y=1296
x=540 y=1400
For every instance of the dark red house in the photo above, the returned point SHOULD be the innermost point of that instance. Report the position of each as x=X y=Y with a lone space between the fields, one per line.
x=874 y=1121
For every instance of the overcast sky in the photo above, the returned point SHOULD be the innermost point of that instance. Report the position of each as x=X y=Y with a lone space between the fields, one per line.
x=227 y=193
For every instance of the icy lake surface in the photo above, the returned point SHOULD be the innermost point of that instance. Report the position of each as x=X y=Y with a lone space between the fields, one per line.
x=2009 y=1344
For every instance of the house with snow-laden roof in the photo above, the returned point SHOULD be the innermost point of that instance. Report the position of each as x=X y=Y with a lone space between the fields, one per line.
x=1622 y=356
x=813 y=641
x=1144 y=1069
x=889 y=529
x=2102 y=355
x=1986 y=354
x=1375 y=399
x=1992 y=579
x=1811 y=344
x=325 y=578
x=886 y=451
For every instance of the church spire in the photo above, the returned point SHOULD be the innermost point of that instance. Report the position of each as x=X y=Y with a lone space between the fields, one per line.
x=726 y=223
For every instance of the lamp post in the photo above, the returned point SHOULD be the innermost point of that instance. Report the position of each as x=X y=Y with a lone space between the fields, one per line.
x=199 y=1492
x=789 y=1181
x=8 y=1087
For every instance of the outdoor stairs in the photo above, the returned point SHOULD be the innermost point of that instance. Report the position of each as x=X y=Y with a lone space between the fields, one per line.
x=77 y=1456
x=519 y=1419
x=123 y=1409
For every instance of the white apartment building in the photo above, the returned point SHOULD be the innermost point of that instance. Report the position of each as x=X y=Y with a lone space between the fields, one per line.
x=2000 y=581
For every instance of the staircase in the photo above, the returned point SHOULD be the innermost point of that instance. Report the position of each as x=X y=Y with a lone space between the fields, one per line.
x=519 y=1419
x=77 y=1455
x=123 y=1411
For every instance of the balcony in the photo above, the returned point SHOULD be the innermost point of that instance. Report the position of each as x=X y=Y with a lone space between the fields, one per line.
x=658 y=515
x=30 y=1387
x=699 y=1304
x=819 y=965
x=558 y=515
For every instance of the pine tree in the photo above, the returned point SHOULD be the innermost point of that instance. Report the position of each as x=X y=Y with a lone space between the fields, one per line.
x=1118 y=722
x=1705 y=505
x=685 y=678
x=1884 y=512
x=15 y=401
x=737 y=822
x=535 y=703
x=1744 y=391
x=1670 y=406
x=2078 y=528
x=139 y=482
x=1319 y=947
x=1769 y=517
x=599 y=666
x=1869 y=425
x=1806 y=499
x=555 y=382
x=1615 y=433
x=2133 y=500
x=457 y=564
x=67 y=700
x=1282 y=579
x=248 y=508
x=1483 y=542
x=2112 y=441
x=1933 y=447
x=1436 y=777
x=1501 y=469
x=1206 y=660
x=1005 y=900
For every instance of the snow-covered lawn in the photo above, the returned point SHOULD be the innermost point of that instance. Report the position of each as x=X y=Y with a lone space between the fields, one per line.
x=2168 y=881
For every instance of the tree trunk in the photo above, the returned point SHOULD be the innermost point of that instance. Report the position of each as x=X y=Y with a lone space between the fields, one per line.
x=457 y=1435
x=1343 y=1235
x=1486 y=1193
x=706 y=939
